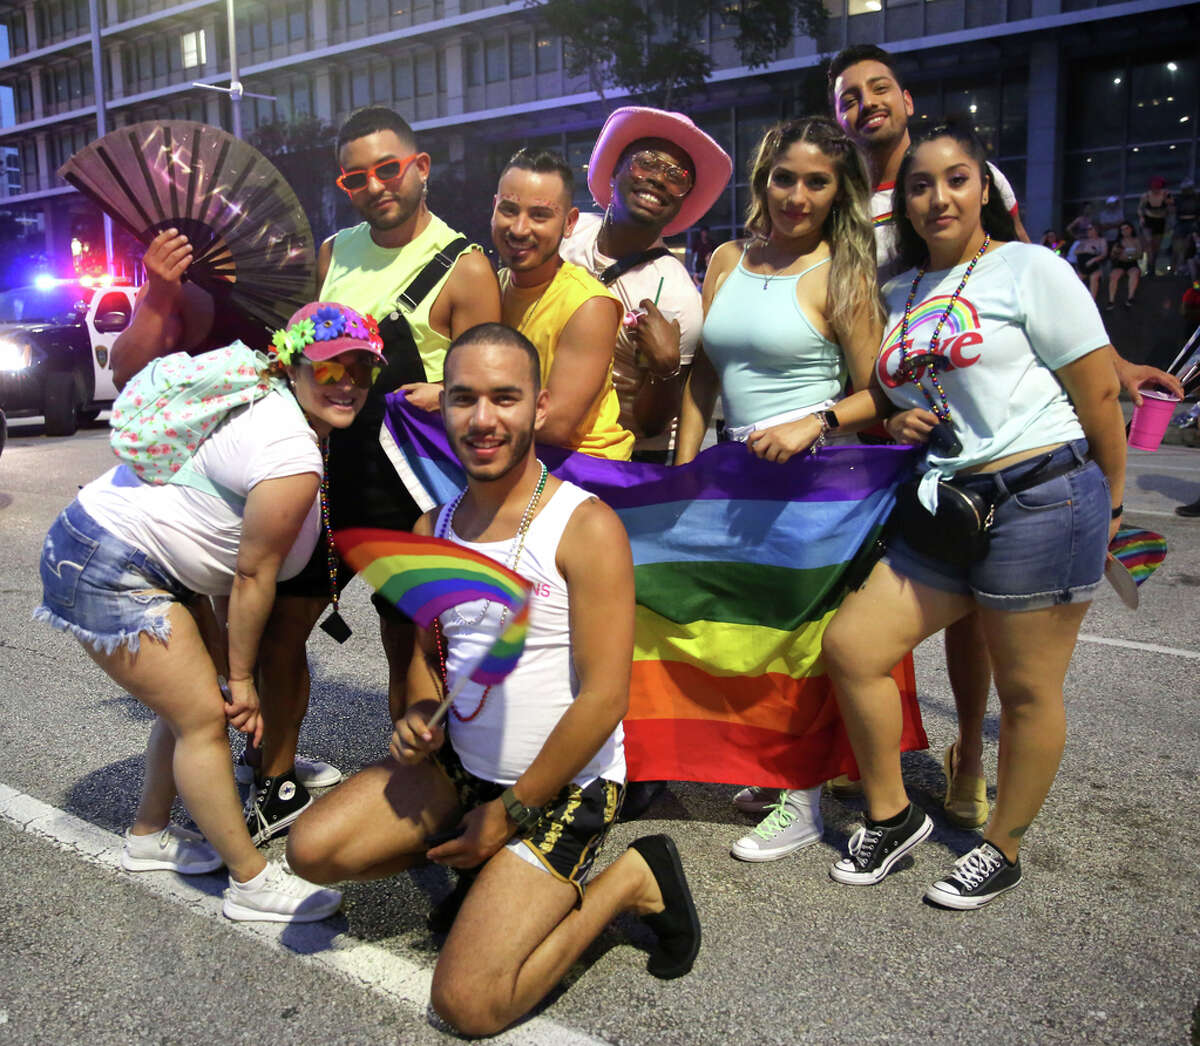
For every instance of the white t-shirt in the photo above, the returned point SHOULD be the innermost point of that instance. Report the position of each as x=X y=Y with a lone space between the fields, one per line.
x=519 y=714
x=678 y=300
x=194 y=535
x=1022 y=315
x=887 y=239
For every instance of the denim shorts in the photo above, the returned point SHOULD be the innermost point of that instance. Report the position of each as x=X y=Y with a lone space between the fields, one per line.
x=102 y=589
x=1048 y=543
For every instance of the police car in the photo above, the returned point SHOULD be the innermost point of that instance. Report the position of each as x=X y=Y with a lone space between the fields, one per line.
x=56 y=339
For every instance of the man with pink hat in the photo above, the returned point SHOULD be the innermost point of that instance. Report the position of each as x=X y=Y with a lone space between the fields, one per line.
x=655 y=174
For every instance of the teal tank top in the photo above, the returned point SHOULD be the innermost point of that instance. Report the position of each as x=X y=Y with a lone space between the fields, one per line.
x=767 y=354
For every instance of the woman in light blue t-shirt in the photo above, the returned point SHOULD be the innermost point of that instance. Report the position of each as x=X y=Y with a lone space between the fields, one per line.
x=995 y=356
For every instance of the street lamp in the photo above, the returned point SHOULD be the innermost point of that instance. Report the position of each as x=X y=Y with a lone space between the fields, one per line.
x=235 y=90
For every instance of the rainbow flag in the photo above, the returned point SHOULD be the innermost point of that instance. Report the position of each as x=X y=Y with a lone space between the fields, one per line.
x=739 y=566
x=424 y=576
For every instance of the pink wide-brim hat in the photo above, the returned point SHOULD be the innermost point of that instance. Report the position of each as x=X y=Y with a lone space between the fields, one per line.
x=626 y=125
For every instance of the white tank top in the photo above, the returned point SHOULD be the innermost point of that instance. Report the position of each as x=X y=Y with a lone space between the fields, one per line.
x=519 y=714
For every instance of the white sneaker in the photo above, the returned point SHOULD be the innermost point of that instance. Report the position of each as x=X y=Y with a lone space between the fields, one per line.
x=275 y=895
x=174 y=849
x=754 y=799
x=312 y=773
x=794 y=821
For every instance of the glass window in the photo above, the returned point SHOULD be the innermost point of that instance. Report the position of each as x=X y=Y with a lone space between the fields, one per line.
x=473 y=61
x=381 y=84
x=356 y=13
x=1143 y=162
x=1014 y=119
x=259 y=39
x=1162 y=100
x=978 y=103
x=1096 y=105
x=493 y=61
x=520 y=56
x=193 y=49
x=402 y=78
x=278 y=27
x=426 y=74
x=360 y=88
x=297 y=21
x=546 y=49
x=1092 y=175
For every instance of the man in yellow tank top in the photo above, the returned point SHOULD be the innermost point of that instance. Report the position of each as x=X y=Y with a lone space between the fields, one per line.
x=385 y=176
x=570 y=316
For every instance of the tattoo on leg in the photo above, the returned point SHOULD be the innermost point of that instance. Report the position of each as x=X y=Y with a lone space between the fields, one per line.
x=1016 y=833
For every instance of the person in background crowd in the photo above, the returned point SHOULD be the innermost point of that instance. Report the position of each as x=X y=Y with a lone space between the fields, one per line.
x=1126 y=251
x=1186 y=210
x=789 y=311
x=1154 y=207
x=701 y=253
x=654 y=173
x=1052 y=241
x=1088 y=254
x=1109 y=220
x=570 y=317
x=1078 y=226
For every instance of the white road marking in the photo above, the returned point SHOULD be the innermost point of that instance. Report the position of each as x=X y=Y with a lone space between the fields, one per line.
x=399 y=979
x=1133 y=644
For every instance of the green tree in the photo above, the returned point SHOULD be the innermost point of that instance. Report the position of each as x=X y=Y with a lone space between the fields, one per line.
x=657 y=48
x=302 y=149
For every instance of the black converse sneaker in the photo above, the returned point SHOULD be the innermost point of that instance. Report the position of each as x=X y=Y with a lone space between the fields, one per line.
x=274 y=804
x=875 y=848
x=978 y=877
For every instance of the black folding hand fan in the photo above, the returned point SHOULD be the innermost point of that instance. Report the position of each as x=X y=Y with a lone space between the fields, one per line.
x=251 y=241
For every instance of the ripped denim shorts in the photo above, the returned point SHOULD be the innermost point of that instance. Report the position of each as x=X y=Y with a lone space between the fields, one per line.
x=102 y=589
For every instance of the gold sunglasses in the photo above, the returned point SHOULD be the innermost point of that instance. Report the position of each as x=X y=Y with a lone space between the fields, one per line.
x=330 y=372
x=647 y=164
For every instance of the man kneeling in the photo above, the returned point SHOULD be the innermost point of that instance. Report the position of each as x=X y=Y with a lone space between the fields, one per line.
x=530 y=771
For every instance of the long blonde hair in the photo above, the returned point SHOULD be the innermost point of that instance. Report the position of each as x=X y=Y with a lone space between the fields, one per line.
x=853 y=283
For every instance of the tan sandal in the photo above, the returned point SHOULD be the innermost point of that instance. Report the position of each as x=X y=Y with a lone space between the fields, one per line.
x=966 y=797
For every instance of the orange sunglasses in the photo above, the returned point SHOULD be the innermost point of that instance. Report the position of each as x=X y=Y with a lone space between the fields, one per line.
x=385 y=171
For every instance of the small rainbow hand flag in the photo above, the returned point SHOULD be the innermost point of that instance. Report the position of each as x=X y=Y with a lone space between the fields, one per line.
x=424 y=576
x=1141 y=552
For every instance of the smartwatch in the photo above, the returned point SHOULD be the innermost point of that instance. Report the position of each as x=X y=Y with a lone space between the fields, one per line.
x=524 y=816
x=827 y=418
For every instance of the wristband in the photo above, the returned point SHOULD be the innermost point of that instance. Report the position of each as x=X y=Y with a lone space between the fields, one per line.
x=525 y=817
x=1118 y=511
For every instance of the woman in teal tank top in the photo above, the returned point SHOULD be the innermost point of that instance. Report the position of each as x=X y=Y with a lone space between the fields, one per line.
x=787 y=312
x=792 y=308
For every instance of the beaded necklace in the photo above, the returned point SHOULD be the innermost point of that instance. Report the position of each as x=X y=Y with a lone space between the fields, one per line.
x=514 y=558
x=935 y=360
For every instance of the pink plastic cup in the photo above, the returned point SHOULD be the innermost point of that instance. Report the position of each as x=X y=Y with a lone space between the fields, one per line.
x=1150 y=420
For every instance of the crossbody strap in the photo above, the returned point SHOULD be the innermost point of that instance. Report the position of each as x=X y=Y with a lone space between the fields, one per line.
x=622 y=265
x=429 y=277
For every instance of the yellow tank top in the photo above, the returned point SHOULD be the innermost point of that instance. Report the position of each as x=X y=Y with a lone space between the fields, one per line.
x=368 y=278
x=541 y=313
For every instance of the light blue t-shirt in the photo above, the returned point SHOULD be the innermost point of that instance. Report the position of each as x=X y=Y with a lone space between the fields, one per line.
x=1022 y=315
x=767 y=355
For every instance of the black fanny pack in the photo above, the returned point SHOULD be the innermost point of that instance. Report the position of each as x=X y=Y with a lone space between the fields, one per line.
x=959 y=532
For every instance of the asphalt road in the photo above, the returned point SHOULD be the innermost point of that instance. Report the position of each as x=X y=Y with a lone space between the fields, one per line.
x=1099 y=945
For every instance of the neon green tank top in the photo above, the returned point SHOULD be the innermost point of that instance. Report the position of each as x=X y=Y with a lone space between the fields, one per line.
x=368 y=278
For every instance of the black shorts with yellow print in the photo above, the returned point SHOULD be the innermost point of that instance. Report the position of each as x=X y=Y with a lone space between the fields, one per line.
x=573 y=825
